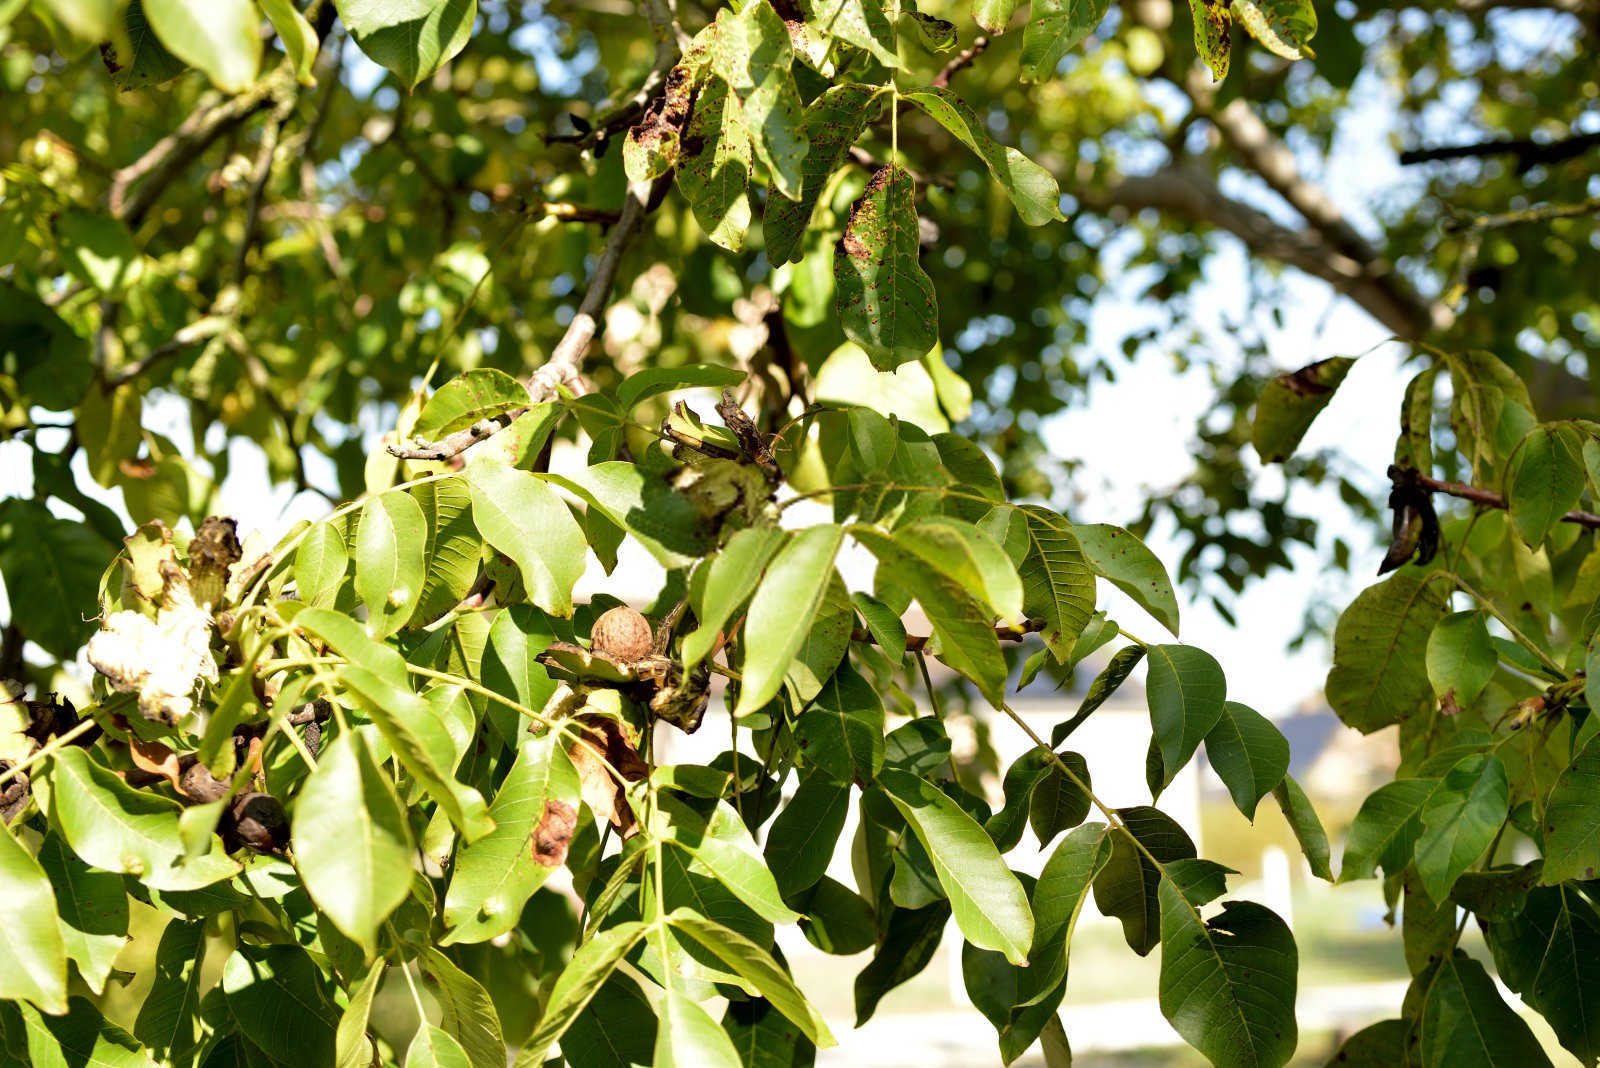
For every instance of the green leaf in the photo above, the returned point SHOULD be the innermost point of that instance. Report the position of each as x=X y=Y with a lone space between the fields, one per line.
x=53 y=566
x=837 y=920
x=752 y=53
x=99 y=250
x=885 y=300
x=912 y=937
x=1116 y=555
x=49 y=362
x=534 y=814
x=264 y=983
x=1249 y=754
x=1228 y=985
x=841 y=731
x=1385 y=829
x=1213 y=37
x=1185 y=690
x=993 y=15
x=723 y=847
x=1110 y=679
x=390 y=541
x=1306 y=826
x=1377 y=646
x=764 y=1039
x=1024 y=774
x=412 y=38
x=1060 y=801
x=714 y=165
x=757 y=969
x=147 y=62
x=963 y=626
x=782 y=610
x=221 y=39
x=520 y=516
x=1459 y=820
x=663 y=520
x=36 y=958
x=452 y=550
x=834 y=121
x=467 y=1012
x=1285 y=27
x=1461 y=658
x=989 y=903
x=1126 y=886
x=112 y=826
x=81 y=1037
x=654 y=381
x=352 y=844
x=1549 y=952
x=687 y=1036
x=723 y=583
x=295 y=33
x=596 y=958
x=1572 y=820
x=1464 y=1022
x=967 y=556
x=1058 y=898
x=806 y=832
x=883 y=623
x=432 y=1047
x=1055 y=28
x=1380 y=1045
x=479 y=393
x=319 y=565
x=616 y=1029
x=352 y=1048
x=1057 y=583
x=825 y=644
x=1031 y=188
x=511 y=667
x=420 y=738
x=1291 y=401
x=1544 y=479
x=92 y=907
x=168 y=1018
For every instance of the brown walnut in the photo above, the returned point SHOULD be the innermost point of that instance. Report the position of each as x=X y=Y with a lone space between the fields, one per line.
x=622 y=634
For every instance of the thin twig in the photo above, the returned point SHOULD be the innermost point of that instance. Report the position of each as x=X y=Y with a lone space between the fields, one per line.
x=1529 y=153
x=918 y=642
x=1490 y=499
x=1542 y=213
x=960 y=62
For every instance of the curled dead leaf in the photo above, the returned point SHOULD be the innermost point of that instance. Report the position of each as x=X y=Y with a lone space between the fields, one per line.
x=553 y=836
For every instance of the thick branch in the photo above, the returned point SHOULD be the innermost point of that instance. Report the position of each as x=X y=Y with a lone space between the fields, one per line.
x=1188 y=193
x=1490 y=499
x=1529 y=153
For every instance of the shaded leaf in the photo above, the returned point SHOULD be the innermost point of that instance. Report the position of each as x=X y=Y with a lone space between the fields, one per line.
x=834 y=121
x=1249 y=754
x=1185 y=689
x=1381 y=639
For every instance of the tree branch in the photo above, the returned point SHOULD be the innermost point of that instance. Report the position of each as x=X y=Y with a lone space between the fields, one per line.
x=1189 y=193
x=915 y=642
x=1490 y=499
x=1529 y=153
x=566 y=359
x=960 y=62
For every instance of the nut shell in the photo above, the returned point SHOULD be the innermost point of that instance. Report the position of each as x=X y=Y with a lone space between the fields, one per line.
x=622 y=634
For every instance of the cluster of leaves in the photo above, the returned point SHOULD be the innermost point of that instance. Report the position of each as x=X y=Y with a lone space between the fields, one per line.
x=478 y=731
x=1482 y=648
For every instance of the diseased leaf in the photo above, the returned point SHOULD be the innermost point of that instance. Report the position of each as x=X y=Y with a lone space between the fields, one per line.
x=1117 y=555
x=1032 y=189
x=1056 y=27
x=993 y=15
x=1572 y=820
x=862 y=23
x=751 y=52
x=1213 y=22
x=1291 y=401
x=1381 y=639
x=834 y=121
x=1285 y=27
x=885 y=300
x=714 y=165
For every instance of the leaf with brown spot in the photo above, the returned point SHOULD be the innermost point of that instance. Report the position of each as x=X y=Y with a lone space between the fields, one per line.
x=651 y=148
x=833 y=122
x=1213 y=22
x=599 y=747
x=886 y=301
x=156 y=759
x=1290 y=402
x=553 y=836
x=714 y=165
